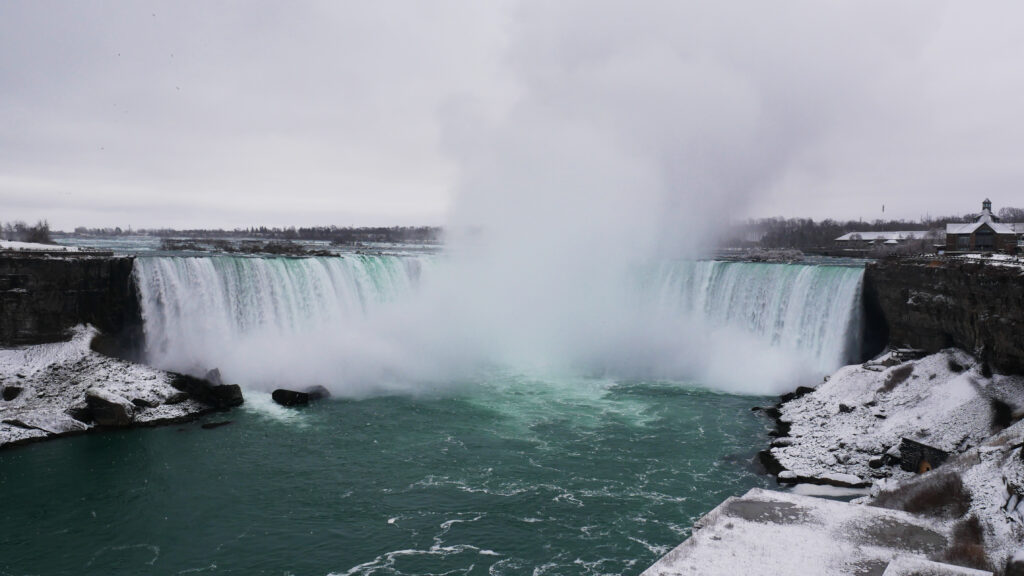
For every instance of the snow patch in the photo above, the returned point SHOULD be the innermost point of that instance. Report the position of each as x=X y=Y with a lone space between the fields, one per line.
x=32 y=246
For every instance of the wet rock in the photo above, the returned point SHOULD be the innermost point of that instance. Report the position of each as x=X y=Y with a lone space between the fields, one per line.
x=844 y=409
x=212 y=425
x=290 y=397
x=286 y=397
x=215 y=395
x=11 y=392
x=109 y=409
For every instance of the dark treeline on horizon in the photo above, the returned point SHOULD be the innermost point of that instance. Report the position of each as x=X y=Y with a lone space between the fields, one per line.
x=19 y=231
x=805 y=233
x=346 y=235
x=775 y=232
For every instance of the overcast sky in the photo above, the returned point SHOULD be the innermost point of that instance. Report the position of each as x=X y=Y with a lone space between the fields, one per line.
x=225 y=114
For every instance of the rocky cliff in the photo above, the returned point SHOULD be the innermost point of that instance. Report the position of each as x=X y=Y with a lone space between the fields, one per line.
x=942 y=303
x=41 y=297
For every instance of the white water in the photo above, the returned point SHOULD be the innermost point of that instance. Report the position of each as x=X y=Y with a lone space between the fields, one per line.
x=366 y=324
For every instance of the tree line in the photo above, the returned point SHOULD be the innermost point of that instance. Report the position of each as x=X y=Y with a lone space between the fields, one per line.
x=806 y=233
x=19 y=231
x=334 y=234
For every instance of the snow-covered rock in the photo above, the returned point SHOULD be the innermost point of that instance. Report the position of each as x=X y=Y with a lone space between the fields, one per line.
x=772 y=533
x=68 y=388
x=851 y=426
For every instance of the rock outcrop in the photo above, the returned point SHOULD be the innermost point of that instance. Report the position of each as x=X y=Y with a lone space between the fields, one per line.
x=936 y=304
x=68 y=388
x=286 y=397
x=43 y=297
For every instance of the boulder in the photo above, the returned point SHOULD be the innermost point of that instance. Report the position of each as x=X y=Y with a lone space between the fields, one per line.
x=286 y=397
x=290 y=397
x=109 y=409
x=11 y=392
x=206 y=392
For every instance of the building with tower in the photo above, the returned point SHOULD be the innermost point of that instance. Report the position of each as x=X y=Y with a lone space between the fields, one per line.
x=986 y=234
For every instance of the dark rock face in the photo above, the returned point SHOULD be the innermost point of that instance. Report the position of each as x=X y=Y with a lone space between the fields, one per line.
x=290 y=397
x=41 y=297
x=939 y=304
x=286 y=397
x=216 y=395
x=11 y=392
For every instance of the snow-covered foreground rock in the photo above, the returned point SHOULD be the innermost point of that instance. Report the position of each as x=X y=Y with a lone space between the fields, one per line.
x=841 y=432
x=773 y=533
x=965 y=516
x=65 y=388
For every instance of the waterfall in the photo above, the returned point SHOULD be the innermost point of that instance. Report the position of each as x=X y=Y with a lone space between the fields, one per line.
x=738 y=326
x=194 y=307
x=810 y=310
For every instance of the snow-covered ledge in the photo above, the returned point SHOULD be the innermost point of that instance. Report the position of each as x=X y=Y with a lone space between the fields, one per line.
x=64 y=388
x=848 y=431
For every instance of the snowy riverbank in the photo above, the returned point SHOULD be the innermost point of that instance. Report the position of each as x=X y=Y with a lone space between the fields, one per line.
x=62 y=388
x=841 y=432
x=963 y=516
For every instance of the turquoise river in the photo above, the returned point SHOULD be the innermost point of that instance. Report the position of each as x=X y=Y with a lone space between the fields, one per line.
x=502 y=471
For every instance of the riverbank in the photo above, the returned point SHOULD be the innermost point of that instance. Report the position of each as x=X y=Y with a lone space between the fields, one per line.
x=936 y=438
x=65 y=388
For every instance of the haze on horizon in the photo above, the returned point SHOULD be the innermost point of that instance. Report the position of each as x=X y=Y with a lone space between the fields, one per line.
x=170 y=114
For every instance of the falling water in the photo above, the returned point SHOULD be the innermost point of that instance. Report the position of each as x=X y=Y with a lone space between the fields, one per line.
x=810 y=310
x=245 y=314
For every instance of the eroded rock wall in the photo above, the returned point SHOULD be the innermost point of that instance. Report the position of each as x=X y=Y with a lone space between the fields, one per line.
x=936 y=304
x=41 y=297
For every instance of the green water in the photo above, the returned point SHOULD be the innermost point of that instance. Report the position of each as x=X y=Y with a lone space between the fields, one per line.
x=510 y=476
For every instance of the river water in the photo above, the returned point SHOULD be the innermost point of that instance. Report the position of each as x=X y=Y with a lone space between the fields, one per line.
x=492 y=469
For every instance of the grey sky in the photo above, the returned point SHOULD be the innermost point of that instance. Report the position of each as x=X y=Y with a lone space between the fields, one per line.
x=351 y=113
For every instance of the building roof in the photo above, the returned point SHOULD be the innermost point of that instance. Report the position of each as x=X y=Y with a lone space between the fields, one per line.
x=986 y=219
x=884 y=236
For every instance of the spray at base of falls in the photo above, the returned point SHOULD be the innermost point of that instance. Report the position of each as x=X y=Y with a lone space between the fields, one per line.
x=364 y=325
